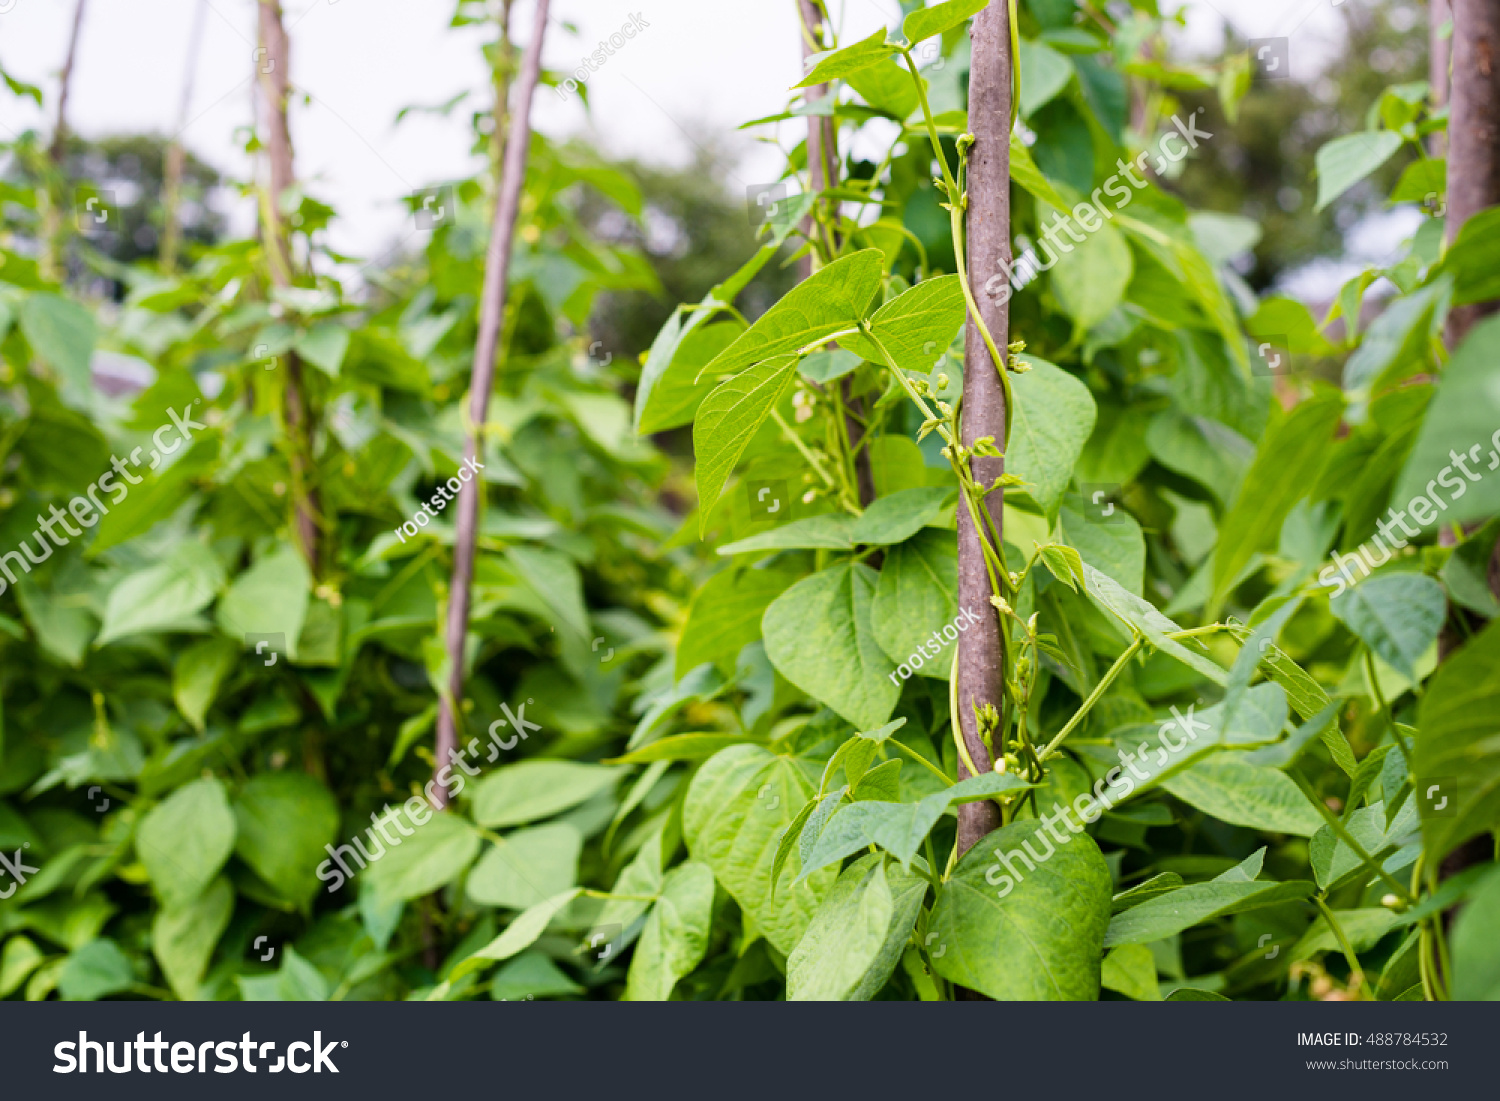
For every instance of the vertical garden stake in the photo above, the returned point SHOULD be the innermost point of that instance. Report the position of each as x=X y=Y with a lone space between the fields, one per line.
x=491 y=313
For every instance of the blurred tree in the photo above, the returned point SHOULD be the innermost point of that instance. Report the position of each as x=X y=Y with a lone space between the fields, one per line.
x=124 y=174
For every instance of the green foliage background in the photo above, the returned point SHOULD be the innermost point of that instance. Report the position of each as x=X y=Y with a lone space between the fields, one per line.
x=733 y=793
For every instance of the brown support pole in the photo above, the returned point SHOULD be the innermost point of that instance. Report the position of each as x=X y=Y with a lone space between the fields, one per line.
x=981 y=655
x=491 y=314
x=273 y=64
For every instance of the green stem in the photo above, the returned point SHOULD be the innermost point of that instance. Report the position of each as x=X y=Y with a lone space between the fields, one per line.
x=923 y=761
x=802 y=447
x=1093 y=697
x=1356 y=973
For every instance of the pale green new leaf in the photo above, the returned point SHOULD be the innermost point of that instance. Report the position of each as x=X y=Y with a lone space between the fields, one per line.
x=926 y=22
x=527 y=867
x=915 y=328
x=851 y=59
x=832 y=299
x=1346 y=160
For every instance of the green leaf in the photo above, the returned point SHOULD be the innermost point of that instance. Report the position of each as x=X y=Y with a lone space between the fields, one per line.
x=269 y=598
x=199 y=672
x=184 y=938
x=529 y=790
x=1171 y=913
x=95 y=971
x=1397 y=615
x=675 y=936
x=926 y=22
x=916 y=327
x=1249 y=795
x=1344 y=161
x=830 y=300
x=284 y=821
x=679 y=747
x=1400 y=340
x=830 y=531
x=728 y=420
x=531 y=975
x=1363 y=928
x=1476 y=949
x=898 y=828
x=725 y=616
x=297 y=980
x=898 y=516
x=818 y=636
x=1025 y=173
x=554 y=577
x=887 y=86
x=62 y=335
x=833 y=64
x=21 y=958
x=518 y=936
x=1053 y=418
x=1284 y=470
x=1044 y=74
x=1335 y=863
x=670 y=394
x=1131 y=970
x=324 y=346
x=1090 y=279
x=855 y=940
x=737 y=807
x=1289 y=325
x=434 y=856
x=1033 y=936
x=1461 y=420
x=165 y=596
x=1116 y=549
x=184 y=840
x=527 y=867
x=1456 y=741
x=915 y=598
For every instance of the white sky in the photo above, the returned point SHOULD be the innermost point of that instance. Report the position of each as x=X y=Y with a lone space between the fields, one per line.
x=702 y=67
